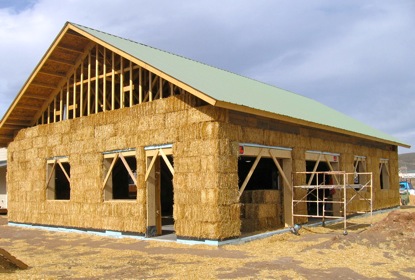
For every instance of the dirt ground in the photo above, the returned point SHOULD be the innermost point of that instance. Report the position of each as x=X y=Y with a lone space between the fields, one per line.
x=385 y=250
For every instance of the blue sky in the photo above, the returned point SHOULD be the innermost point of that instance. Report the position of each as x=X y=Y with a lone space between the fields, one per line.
x=355 y=56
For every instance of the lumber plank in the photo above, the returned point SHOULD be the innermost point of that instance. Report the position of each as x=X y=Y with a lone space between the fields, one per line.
x=13 y=259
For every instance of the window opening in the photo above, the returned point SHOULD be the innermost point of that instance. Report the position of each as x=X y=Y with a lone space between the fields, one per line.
x=58 y=181
x=120 y=180
x=384 y=174
x=359 y=167
x=264 y=177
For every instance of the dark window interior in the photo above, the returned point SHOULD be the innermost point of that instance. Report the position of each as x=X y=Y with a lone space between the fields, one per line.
x=62 y=186
x=122 y=185
x=265 y=176
x=166 y=192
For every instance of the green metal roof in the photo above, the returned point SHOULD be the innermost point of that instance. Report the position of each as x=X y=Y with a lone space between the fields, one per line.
x=224 y=86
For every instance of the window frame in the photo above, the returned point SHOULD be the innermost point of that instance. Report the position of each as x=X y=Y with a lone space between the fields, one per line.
x=384 y=174
x=51 y=165
x=110 y=159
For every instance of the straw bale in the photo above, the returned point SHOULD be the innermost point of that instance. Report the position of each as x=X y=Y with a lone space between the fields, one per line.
x=113 y=223
x=131 y=224
x=176 y=119
x=116 y=142
x=54 y=140
x=265 y=196
x=221 y=197
x=187 y=164
x=225 y=164
x=83 y=132
x=105 y=131
x=63 y=127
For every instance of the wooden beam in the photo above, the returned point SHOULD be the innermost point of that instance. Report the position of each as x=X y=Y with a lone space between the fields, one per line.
x=150 y=98
x=61 y=104
x=113 y=82
x=140 y=86
x=130 y=172
x=104 y=81
x=67 y=100
x=277 y=164
x=150 y=166
x=74 y=96
x=53 y=74
x=61 y=61
x=26 y=107
x=81 y=98
x=43 y=85
x=166 y=160
x=251 y=171
x=37 y=97
x=89 y=85
x=64 y=172
x=122 y=82
x=54 y=109
x=109 y=171
x=68 y=48
x=314 y=169
x=131 y=84
x=96 y=78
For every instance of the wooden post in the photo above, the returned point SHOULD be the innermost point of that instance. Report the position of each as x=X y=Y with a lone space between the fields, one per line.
x=140 y=86
x=61 y=105
x=67 y=100
x=54 y=109
x=104 y=82
x=89 y=85
x=113 y=83
x=81 y=98
x=161 y=87
x=131 y=84
x=151 y=229
x=122 y=82
x=96 y=79
x=149 y=87
x=74 y=95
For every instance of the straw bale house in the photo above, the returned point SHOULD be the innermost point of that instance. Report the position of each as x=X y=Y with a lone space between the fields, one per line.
x=3 y=189
x=111 y=135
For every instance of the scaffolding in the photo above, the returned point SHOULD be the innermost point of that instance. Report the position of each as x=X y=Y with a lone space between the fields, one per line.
x=329 y=195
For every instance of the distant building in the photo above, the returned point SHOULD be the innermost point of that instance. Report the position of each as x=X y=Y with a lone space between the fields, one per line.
x=406 y=175
x=3 y=189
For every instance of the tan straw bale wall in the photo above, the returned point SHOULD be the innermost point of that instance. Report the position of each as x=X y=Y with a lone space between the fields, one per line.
x=205 y=151
x=245 y=128
x=261 y=210
x=197 y=153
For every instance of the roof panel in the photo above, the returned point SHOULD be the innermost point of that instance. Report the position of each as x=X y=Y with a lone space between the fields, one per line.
x=231 y=88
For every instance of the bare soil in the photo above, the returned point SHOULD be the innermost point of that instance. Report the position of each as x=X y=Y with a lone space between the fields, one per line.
x=385 y=250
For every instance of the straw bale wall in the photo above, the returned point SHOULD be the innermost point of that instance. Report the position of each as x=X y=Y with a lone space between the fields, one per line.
x=205 y=151
x=261 y=210
x=246 y=128
x=206 y=206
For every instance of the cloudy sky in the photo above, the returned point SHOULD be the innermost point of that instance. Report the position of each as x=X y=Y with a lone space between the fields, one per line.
x=355 y=56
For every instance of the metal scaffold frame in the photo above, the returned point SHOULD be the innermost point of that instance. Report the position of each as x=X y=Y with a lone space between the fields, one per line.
x=352 y=186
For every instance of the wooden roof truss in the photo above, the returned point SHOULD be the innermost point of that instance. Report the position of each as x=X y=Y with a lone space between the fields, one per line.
x=78 y=77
